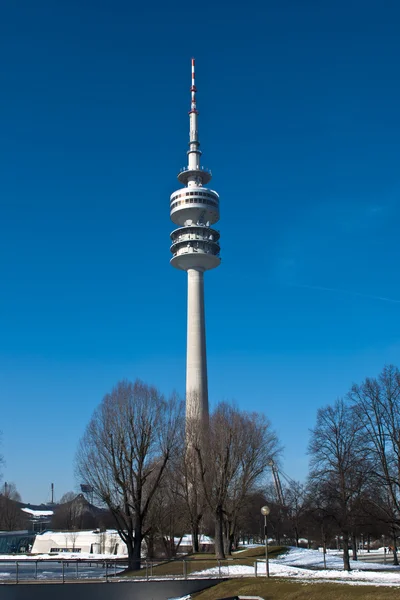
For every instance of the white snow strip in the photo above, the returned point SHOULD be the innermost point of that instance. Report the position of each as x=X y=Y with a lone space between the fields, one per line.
x=61 y=556
x=289 y=566
x=302 y=557
x=38 y=513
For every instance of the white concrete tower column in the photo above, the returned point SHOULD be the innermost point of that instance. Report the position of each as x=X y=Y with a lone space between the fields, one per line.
x=195 y=249
x=196 y=359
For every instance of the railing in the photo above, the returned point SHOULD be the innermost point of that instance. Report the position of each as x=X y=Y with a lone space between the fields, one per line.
x=64 y=570
x=59 y=569
x=195 y=200
x=191 y=250
x=190 y=169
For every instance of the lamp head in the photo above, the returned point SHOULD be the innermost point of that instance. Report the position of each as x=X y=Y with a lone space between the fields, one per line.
x=265 y=511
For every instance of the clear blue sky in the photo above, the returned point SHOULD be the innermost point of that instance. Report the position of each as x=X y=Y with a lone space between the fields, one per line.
x=299 y=121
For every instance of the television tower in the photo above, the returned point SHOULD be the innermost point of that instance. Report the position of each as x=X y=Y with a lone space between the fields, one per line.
x=195 y=248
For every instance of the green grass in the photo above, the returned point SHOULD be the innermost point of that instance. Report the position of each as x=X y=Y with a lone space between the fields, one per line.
x=202 y=562
x=287 y=590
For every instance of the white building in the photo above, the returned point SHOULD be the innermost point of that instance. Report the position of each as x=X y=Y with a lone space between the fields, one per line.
x=92 y=542
x=39 y=518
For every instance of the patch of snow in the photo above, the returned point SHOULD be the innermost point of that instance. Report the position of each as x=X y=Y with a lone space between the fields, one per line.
x=293 y=565
x=68 y=556
x=187 y=540
x=38 y=513
x=302 y=557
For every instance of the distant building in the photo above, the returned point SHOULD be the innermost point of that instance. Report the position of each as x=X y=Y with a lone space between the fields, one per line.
x=74 y=526
x=75 y=514
x=92 y=542
x=38 y=516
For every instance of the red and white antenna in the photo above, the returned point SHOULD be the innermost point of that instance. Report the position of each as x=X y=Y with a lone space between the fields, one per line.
x=193 y=89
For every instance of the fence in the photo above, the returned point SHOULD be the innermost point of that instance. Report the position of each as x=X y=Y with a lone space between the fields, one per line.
x=64 y=570
x=58 y=569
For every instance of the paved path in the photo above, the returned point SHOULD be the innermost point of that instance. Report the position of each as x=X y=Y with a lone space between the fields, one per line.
x=373 y=557
x=376 y=558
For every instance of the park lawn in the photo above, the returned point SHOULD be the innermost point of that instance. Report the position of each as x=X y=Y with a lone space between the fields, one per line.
x=202 y=562
x=294 y=590
x=259 y=552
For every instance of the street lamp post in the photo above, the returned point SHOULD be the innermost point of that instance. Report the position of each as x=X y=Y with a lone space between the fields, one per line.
x=265 y=511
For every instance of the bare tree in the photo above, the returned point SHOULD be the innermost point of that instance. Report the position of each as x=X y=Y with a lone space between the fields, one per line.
x=73 y=537
x=11 y=517
x=124 y=453
x=189 y=468
x=168 y=518
x=297 y=505
x=320 y=516
x=67 y=497
x=251 y=523
x=338 y=464
x=189 y=487
x=241 y=445
x=10 y=491
x=377 y=403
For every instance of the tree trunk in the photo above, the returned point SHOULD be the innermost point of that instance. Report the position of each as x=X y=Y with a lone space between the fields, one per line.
x=225 y=534
x=150 y=545
x=129 y=547
x=354 y=546
x=219 y=541
x=228 y=544
x=323 y=538
x=277 y=533
x=228 y=538
x=296 y=536
x=134 y=549
x=231 y=540
x=395 y=557
x=167 y=547
x=346 y=558
x=195 y=535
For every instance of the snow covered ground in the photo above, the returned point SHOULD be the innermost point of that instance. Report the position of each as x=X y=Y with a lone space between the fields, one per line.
x=307 y=565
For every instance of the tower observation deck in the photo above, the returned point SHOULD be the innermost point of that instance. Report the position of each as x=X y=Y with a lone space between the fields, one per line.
x=195 y=248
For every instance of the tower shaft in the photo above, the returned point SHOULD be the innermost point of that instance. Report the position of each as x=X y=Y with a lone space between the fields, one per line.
x=196 y=361
x=195 y=248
